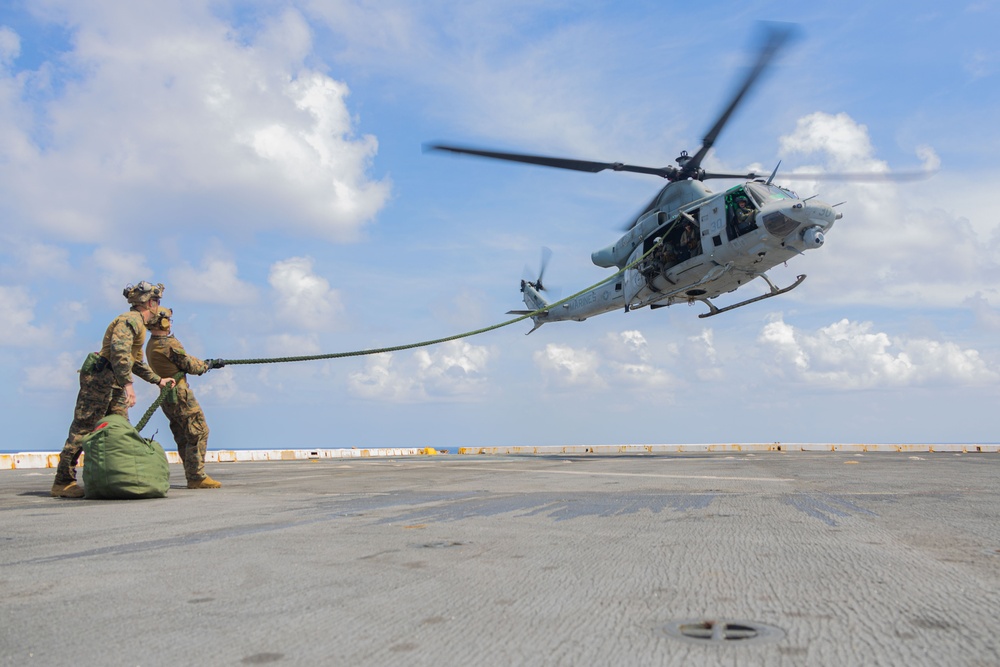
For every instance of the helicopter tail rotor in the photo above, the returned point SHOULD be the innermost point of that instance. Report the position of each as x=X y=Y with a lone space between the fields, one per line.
x=536 y=283
x=546 y=256
x=531 y=293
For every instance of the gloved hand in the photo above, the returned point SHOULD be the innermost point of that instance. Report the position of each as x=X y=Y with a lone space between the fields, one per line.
x=215 y=363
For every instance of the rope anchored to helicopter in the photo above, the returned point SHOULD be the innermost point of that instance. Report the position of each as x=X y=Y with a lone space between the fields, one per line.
x=436 y=341
x=166 y=393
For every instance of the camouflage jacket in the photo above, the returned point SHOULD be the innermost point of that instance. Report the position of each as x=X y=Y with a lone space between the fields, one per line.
x=122 y=346
x=168 y=358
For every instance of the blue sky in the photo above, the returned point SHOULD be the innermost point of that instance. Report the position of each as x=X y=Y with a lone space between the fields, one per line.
x=264 y=161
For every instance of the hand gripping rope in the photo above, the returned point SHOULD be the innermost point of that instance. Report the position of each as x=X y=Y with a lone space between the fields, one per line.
x=398 y=348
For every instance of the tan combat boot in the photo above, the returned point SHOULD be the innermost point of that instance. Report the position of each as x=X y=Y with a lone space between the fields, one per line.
x=204 y=483
x=71 y=490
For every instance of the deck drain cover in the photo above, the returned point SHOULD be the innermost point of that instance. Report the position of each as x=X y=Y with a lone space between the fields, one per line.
x=723 y=632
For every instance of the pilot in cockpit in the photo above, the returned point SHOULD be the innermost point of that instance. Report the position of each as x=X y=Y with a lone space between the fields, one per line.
x=743 y=216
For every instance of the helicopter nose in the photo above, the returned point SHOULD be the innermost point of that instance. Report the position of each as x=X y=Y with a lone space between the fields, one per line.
x=789 y=219
x=820 y=214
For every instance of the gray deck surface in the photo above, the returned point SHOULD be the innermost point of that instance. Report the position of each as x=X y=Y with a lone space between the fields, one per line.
x=834 y=559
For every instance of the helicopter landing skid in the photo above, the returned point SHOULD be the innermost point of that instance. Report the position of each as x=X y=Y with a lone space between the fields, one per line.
x=714 y=310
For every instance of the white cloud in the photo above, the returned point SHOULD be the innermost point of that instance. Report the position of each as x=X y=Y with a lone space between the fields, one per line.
x=929 y=157
x=845 y=142
x=456 y=370
x=16 y=328
x=566 y=367
x=216 y=282
x=304 y=299
x=703 y=356
x=10 y=46
x=167 y=114
x=897 y=244
x=850 y=355
x=623 y=362
x=627 y=346
x=631 y=363
x=380 y=381
x=61 y=375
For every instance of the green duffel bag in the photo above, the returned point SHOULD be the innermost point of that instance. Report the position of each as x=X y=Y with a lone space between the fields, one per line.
x=120 y=463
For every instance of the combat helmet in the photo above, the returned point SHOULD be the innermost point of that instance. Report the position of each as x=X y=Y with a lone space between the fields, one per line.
x=142 y=292
x=162 y=321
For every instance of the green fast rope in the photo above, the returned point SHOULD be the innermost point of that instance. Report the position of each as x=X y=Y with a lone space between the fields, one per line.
x=167 y=393
x=398 y=348
x=467 y=334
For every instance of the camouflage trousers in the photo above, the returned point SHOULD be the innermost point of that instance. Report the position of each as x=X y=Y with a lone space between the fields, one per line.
x=99 y=396
x=187 y=423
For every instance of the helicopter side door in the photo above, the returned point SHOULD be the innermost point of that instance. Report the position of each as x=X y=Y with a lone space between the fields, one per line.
x=713 y=223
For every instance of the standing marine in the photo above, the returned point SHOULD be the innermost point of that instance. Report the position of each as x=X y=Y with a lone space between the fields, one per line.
x=106 y=380
x=187 y=420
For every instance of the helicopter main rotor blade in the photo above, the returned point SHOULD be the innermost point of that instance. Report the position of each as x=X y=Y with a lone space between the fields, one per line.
x=861 y=177
x=857 y=177
x=557 y=162
x=775 y=38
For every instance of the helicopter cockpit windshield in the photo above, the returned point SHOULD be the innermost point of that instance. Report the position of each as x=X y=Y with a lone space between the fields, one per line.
x=767 y=192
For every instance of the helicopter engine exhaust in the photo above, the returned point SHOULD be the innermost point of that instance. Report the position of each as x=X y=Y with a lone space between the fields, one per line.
x=813 y=237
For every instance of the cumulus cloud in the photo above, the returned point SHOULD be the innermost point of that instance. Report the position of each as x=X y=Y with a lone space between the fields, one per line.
x=16 y=328
x=566 y=367
x=630 y=362
x=897 y=244
x=215 y=282
x=844 y=141
x=380 y=380
x=852 y=355
x=303 y=298
x=167 y=113
x=456 y=370
x=621 y=361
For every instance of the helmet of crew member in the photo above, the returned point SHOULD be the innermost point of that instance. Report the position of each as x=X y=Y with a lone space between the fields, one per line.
x=164 y=316
x=142 y=292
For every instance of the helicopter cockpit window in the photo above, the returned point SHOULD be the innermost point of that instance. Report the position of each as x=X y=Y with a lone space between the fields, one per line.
x=766 y=192
x=740 y=212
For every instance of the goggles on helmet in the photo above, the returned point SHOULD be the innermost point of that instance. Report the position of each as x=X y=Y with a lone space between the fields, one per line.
x=143 y=292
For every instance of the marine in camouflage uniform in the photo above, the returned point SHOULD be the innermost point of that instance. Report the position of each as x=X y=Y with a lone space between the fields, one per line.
x=106 y=380
x=187 y=420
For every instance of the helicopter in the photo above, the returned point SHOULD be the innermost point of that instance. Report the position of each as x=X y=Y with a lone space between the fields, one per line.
x=690 y=244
